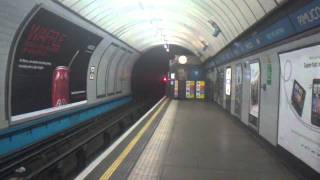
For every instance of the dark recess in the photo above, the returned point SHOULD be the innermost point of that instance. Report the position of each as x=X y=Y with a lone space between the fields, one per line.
x=149 y=70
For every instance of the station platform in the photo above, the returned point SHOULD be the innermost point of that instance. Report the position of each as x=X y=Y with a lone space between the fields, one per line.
x=187 y=140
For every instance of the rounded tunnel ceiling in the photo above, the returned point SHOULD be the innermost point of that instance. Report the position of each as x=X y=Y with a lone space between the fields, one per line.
x=192 y=24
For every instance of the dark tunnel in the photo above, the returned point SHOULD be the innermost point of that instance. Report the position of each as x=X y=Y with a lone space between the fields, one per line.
x=150 y=69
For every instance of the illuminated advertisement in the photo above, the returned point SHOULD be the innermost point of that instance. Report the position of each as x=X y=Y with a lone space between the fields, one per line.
x=50 y=65
x=228 y=81
x=200 y=90
x=254 y=93
x=238 y=90
x=221 y=87
x=176 y=89
x=190 y=89
x=299 y=108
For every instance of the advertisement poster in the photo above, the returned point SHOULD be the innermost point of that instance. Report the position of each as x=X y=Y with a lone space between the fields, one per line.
x=176 y=89
x=50 y=65
x=200 y=90
x=190 y=89
x=228 y=81
x=254 y=89
x=221 y=87
x=238 y=90
x=299 y=109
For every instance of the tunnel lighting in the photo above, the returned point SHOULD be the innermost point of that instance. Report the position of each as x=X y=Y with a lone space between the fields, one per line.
x=165 y=46
x=182 y=59
x=172 y=76
x=167 y=50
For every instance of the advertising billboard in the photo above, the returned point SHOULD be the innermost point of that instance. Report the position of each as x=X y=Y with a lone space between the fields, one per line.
x=50 y=65
x=238 y=90
x=200 y=89
x=176 y=89
x=228 y=81
x=190 y=89
x=220 y=86
x=254 y=94
x=299 y=108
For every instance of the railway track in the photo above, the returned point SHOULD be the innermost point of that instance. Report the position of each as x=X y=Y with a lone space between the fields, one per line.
x=64 y=155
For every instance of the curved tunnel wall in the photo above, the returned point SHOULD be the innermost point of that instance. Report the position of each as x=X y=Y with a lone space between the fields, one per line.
x=111 y=60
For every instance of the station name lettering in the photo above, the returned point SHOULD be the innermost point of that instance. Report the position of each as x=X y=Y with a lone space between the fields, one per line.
x=310 y=16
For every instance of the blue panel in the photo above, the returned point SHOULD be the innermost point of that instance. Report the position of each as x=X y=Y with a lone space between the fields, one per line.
x=278 y=31
x=307 y=17
x=29 y=136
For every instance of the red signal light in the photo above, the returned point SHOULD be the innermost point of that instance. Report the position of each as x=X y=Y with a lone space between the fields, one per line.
x=164 y=79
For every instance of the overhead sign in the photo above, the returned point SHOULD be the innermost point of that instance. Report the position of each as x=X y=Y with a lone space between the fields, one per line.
x=303 y=19
x=307 y=17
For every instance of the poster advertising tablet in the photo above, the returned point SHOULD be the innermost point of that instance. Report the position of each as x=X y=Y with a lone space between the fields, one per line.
x=190 y=89
x=238 y=90
x=299 y=108
x=50 y=65
x=200 y=89
x=254 y=93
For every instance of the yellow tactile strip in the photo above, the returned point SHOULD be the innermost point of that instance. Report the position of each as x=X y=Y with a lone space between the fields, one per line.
x=150 y=162
x=109 y=172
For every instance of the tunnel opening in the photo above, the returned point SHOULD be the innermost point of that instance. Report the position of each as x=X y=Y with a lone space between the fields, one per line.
x=150 y=72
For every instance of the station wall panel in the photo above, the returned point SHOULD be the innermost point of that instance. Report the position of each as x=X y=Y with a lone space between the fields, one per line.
x=14 y=14
x=269 y=98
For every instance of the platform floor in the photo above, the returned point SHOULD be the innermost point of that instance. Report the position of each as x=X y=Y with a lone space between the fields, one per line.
x=199 y=140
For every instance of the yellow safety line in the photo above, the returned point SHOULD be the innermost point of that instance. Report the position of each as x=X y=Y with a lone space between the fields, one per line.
x=107 y=174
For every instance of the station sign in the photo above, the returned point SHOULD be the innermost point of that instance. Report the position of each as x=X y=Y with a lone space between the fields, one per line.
x=303 y=19
x=307 y=17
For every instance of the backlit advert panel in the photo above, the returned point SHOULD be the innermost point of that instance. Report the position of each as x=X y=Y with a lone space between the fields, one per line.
x=50 y=65
x=299 y=109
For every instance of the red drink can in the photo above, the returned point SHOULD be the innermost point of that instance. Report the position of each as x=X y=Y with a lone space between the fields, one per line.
x=60 y=86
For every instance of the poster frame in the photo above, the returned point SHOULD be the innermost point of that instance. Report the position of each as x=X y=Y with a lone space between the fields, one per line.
x=279 y=84
x=9 y=72
x=12 y=51
x=235 y=80
x=296 y=159
x=257 y=60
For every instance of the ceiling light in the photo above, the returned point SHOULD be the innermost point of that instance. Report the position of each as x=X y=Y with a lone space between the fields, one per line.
x=182 y=59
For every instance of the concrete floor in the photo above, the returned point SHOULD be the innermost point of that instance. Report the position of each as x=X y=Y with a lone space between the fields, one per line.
x=197 y=140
